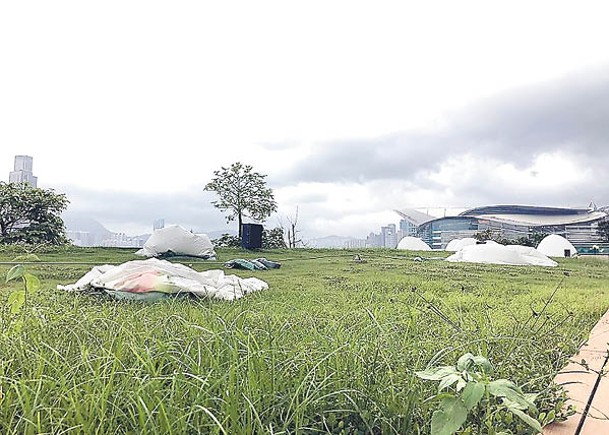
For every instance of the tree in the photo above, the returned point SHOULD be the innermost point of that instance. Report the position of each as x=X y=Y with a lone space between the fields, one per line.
x=271 y=239
x=603 y=229
x=293 y=239
x=532 y=239
x=31 y=215
x=242 y=193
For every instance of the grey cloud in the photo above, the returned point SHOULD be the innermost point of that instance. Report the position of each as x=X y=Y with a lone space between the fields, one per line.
x=392 y=156
x=483 y=188
x=571 y=114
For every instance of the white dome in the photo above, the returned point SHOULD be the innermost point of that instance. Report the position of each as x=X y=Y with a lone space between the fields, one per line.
x=555 y=246
x=413 y=244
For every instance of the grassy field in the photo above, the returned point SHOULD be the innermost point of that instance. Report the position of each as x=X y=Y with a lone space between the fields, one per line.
x=331 y=347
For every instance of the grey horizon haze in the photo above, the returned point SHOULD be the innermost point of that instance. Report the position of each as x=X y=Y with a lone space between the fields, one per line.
x=352 y=110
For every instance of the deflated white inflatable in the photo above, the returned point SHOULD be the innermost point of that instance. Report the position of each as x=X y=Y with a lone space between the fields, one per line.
x=457 y=244
x=151 y=279
x=494 y=253
x=176 y=240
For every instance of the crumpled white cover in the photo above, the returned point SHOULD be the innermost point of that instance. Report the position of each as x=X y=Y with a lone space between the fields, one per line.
x=494 y=253
x=153 y=275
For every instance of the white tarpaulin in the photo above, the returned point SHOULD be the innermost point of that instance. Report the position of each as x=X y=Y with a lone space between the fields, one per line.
x=413 y=244
x=494 y=253
x=556 y=246
x=176 y=240
x=456 y=244
x=143 y=277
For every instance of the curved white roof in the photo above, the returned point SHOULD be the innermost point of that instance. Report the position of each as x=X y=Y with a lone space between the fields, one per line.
x=541 y=220
x=414 y=216
x=413 y=244
x=555 y=246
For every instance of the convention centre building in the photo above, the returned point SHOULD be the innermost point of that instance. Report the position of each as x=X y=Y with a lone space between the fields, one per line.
x=578 y=225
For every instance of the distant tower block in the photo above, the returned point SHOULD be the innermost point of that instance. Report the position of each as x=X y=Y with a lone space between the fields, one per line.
x=23 y=171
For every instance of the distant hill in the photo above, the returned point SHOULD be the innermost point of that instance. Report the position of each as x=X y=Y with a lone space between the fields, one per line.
x=79 y=223
x=97 y=233
x=218 y=233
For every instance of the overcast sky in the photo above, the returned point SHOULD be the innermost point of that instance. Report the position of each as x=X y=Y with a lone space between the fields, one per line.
x=353 y=109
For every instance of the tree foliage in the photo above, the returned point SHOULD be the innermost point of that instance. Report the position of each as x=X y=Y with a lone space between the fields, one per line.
x=242 y=193
x=271 y=239
x=31 y=215
x=494 y=236
x=603 y=230
x=532 y=239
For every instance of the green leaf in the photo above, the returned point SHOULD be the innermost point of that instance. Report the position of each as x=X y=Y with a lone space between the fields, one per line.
x=527 y=419
x=448 y=380
x=511 y=392
x=26 y=257
x=483 y=362
x=503 y=384
x=16 y=300
x=461 y=384
x=16 y=272
x=504 y=388
x=472 y=394
x=437 y=373
x=465 y=361
x=32 y=282
x=449 y=418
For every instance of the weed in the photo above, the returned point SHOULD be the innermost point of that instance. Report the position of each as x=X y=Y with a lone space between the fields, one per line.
x=18 y=300
x=490 y=404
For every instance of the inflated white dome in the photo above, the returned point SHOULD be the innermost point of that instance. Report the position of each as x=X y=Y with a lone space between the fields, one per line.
x=456 y=244
x=494 y=253
x=555 y=246
x=413 y=244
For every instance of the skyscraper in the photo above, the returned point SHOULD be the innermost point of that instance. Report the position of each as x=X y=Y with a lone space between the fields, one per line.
x=23 y=171
x=158 y=224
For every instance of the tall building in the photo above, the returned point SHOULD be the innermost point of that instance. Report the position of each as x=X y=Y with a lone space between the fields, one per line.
x=22 y=172
x=389 y=236
x=408 y=228
x=158 y=224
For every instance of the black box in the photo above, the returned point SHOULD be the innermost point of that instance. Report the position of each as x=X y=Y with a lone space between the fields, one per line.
x=251 y=236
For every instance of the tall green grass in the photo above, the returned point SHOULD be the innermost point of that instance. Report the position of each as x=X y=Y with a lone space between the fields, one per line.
x=331 y=347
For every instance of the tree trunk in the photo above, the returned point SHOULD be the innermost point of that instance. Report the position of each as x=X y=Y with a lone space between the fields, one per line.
x=240 y=223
